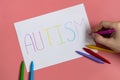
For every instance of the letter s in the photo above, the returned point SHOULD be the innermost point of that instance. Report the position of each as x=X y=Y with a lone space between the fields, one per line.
x=67 y=26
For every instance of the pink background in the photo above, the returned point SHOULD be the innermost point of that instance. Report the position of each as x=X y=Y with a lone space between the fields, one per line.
x=12 y=11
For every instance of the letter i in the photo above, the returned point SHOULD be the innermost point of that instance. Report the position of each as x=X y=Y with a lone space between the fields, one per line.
x=48 y=35
x=58 y=31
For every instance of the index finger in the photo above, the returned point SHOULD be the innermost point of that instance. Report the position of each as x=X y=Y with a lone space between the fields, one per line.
x=108 y=24
x=105 y=24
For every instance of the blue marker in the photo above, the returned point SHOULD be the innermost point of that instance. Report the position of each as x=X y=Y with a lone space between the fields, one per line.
x=31 y=76
x=90 y=57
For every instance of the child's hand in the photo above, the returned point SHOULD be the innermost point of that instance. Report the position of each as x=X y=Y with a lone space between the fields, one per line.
x=114 y=41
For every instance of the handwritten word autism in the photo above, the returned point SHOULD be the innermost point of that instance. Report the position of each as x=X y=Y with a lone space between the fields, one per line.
x=49 y=37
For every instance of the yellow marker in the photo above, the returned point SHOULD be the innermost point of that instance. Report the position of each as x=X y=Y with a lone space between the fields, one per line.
x=99 y=48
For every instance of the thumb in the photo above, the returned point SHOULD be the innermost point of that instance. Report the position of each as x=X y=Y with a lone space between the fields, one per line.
x=104 y=41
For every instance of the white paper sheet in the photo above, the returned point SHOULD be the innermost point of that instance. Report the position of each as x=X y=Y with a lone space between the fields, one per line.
x=54 y=37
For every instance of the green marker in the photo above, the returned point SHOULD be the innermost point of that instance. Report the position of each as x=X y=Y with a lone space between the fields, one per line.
x=22 y=71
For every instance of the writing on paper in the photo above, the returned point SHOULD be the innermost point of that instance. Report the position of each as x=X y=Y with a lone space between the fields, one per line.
x=53 y=38
x=35 y=41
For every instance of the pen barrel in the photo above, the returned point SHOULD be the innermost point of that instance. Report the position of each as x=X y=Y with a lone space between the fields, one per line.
x=110 y=31
x=90 y=57
x=96 y=55
x=22 y=71
x=31 y=76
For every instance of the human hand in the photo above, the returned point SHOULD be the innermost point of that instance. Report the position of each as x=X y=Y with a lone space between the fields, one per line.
x=114 y=41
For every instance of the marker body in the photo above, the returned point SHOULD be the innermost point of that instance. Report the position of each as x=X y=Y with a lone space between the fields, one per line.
x=31 y=77
x=22 y=71
x=90 y=57
x=95 y=54
x=109 y=31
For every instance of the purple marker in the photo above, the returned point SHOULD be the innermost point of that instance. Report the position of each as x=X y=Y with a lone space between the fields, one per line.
x=90 y=57
x=103 y=32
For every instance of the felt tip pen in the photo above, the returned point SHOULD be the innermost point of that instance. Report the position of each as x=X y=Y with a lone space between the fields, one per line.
x=90 y=57
x=96 y=55
x=31 y=76
x=22 y=71
x=99 y=48
x=104 y=32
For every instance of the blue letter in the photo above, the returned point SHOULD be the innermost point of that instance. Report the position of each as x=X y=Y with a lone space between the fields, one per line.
x=67 y=26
